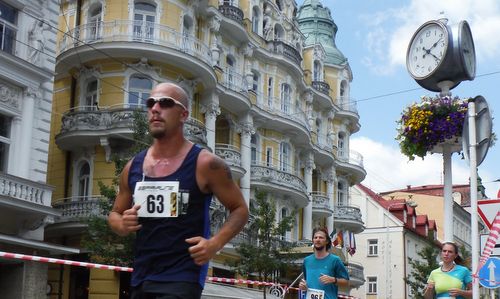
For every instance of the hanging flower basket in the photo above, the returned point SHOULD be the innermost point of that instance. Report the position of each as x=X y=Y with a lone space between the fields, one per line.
x=426 y=126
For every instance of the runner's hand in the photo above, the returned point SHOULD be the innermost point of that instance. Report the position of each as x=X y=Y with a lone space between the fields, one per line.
x=202 y=250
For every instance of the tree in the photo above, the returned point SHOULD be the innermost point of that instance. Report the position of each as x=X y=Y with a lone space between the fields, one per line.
x=103 y=245
x=265 y=253
x=417 y=279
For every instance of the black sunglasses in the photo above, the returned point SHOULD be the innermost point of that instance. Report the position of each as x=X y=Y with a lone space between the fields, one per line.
x=165 y=102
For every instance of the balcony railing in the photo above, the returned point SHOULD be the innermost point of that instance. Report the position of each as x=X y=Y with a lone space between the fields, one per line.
x=282 y=48
x=78 y=208
x=354 y=158
x=135 y=31
x=232 y=12
x=321 y=201
x=24 y=190
x=348 y=105
x=356 y=271
x=347 y=213
x=321 y=86
x=278 y=177
x=284 y=108
x=234 y=81
x=84 y=118
x=230 y=153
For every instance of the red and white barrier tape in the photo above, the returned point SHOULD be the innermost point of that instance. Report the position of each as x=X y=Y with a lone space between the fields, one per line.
x=62 y=262
x=35 y=258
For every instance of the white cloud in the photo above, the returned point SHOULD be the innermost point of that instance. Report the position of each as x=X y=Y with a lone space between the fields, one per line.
x=388 y=169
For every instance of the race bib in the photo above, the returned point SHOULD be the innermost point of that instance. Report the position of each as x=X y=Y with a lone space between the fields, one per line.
x=157 y=199
x=315 y=294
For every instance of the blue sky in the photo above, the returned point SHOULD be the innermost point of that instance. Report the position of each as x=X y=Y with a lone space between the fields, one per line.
x=374 y=36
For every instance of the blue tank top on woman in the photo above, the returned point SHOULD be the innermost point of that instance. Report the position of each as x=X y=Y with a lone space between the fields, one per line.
x=161 y=252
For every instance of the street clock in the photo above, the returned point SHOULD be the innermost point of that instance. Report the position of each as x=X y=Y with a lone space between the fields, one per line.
x=441 y=56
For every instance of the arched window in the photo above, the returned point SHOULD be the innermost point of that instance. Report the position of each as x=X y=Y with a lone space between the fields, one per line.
x=285 y=97
x=270 y=83
x=255 y=19
x=279 y=33
x=144 y=20
x=84 y=181
x=285 y=154
x=139 y=88
x=91 y=100
x=187 y=33
x=318 y=130
x=317 y=72
x=95 y=22
x=341 y=145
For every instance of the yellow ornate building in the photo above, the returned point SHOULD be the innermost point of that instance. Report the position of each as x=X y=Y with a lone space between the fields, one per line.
x=270 y=95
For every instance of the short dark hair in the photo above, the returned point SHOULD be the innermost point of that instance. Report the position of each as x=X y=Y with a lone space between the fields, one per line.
x=328 y=239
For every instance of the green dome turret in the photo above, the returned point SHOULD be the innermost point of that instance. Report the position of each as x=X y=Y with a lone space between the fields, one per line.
x=318 y=27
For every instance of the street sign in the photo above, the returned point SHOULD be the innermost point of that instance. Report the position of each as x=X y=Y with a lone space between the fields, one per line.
x=496 y=249
x=487 y=210
x=489 y=274
x=483 y=126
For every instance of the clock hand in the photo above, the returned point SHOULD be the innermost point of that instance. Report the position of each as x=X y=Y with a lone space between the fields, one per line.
x=435 y=44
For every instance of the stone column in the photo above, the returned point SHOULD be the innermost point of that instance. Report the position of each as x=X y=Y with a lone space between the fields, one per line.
x=246 y=130
x=330 y=181
x=307 y=215
x=27 y=115
x=211 y=110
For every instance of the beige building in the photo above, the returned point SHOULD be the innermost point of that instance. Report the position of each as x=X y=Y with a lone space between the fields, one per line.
x=270 y=95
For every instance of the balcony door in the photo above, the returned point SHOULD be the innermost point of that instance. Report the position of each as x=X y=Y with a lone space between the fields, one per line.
x=144 y=21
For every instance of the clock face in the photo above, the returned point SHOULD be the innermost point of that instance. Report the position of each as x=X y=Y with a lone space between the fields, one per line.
x=427 y=49
x=466 y=50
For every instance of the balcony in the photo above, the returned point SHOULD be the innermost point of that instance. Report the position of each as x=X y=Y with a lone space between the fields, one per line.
x=323 y=148
x=112 y=126
x=24 y=204
x=321 y=86
x=348 y=218
x=236 y=97
x=232 y=156
x=279 y=182
x=356 y=274
x=128 y=38
x=348 y=109
x=283 y=49
x=352 y=165
x=75 y=211
x=232 y=12
x=321 y=205
x=278 y=114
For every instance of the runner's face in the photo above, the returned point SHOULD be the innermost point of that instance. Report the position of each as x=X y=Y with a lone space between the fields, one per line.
x=319 y=240
x=448 y=253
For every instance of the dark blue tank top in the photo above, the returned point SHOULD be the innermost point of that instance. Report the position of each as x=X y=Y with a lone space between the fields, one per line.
x=161 y=252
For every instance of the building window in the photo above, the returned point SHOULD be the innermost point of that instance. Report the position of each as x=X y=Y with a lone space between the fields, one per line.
x=256 y=78
x=253 y=144
x=341 y=145
x=144 y=20
x=269 y=157
x=317 y=72
x=5 y=125
x=8 y=27
x=95 y=23
x=285 y=98
x=341 y=193
x=139 y=90
x=270 y=92
x=372 y=285
x=284 y=157
x=373 y=247
x=83 y=181
x=255 y=19
x=91 y=95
